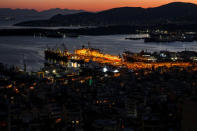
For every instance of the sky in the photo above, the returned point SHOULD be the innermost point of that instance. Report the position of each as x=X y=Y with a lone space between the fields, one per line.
x=89 y=5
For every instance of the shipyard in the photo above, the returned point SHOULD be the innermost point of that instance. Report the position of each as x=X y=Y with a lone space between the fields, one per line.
x=107 y=65
x=88 y=90
x=129 y=60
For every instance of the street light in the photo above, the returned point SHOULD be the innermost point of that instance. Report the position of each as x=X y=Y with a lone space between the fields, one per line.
x=105 y=69
x=54 y=71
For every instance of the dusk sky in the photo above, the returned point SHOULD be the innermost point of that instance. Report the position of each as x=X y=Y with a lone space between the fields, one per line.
x=90 y=5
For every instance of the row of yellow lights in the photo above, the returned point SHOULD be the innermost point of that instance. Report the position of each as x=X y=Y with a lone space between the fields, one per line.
x=117 y=61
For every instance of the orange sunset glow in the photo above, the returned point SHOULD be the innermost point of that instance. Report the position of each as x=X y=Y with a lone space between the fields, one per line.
x=90 y=5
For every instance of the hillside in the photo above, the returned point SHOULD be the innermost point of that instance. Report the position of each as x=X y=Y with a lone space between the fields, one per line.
x=11 y=16
x=172 y=13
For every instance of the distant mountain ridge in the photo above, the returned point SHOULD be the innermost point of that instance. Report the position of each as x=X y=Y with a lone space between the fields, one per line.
x=13 y=16
x=173 y=13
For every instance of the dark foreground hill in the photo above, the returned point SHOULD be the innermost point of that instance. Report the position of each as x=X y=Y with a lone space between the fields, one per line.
x=172 y=13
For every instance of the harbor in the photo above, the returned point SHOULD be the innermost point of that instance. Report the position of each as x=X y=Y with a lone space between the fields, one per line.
x=133 y=61
x=12 y=50
x=108 y=65
x=90 y=90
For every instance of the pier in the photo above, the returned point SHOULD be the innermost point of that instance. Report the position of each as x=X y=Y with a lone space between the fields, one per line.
x=90 y=54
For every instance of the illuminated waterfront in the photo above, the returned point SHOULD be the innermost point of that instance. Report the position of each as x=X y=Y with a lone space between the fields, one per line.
x=99 y=80
x=65 y=89
x=13 y=48
x=145 y=61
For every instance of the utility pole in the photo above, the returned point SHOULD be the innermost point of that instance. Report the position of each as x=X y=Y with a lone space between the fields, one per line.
x=24 y=64
x=9 y=120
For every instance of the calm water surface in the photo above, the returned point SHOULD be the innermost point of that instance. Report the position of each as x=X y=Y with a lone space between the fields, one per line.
x=13 y=48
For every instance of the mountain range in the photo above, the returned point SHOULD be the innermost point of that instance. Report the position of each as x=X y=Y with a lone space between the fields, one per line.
x=11 y=16
x=172 y=13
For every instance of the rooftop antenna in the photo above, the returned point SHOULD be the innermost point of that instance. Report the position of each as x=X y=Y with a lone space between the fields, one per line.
x=88 y=44
x=56 y=46
x=24 y=63
x=47 y=47
x=64 y=47
x=160 y=47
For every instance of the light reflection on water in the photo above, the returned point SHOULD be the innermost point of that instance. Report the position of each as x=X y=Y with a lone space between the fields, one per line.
x=13 y=48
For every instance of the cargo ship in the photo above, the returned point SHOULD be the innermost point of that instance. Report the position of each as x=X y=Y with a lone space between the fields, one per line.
x=96 y=53
x=56 y=54
x=138 y=57
x=84 y=54
x=54 y=35
x=171 y=38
